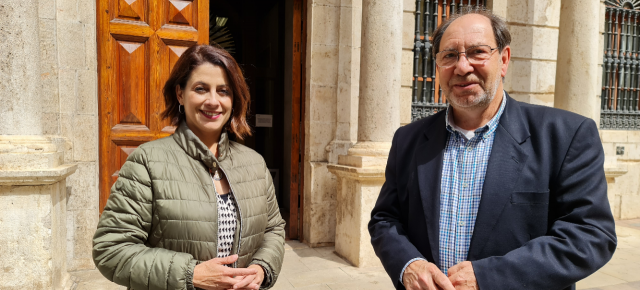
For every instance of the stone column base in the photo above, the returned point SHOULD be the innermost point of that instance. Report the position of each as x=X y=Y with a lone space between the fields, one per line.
x=358 y=190
x=33 y=220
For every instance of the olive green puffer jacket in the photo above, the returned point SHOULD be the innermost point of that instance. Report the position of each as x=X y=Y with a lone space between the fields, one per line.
x=161 y=217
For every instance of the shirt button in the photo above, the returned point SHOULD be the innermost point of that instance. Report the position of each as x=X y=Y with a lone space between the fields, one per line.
x=461 y=224
x=464 y=185
x=469 y=148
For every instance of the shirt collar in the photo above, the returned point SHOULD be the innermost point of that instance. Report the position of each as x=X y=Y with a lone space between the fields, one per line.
x=485 y=130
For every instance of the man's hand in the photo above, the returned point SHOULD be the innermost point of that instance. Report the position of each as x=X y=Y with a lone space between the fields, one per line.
x=463 y=277
x=213 y=275
x=251 y=281
x=422 y=275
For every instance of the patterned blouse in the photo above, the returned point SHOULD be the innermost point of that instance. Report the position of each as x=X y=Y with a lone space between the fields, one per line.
x=227 y=223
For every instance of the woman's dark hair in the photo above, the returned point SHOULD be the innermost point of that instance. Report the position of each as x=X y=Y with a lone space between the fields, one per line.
x=500 y=31
x=181 y=72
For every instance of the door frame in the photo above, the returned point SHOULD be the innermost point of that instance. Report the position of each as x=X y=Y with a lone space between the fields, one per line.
x=296 y=205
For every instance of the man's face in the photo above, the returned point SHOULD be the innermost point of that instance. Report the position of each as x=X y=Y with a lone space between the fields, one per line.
x=469 y=85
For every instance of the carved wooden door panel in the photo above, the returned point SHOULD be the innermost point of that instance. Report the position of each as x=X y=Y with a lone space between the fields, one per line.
x=139 y=41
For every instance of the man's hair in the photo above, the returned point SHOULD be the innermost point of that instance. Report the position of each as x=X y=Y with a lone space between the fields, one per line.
x=499 y=26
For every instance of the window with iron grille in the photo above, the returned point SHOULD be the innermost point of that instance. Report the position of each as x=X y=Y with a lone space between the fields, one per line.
x=427 y=98
x=620 y=71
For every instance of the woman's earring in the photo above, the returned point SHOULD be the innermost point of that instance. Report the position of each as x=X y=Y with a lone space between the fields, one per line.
x=181 y=107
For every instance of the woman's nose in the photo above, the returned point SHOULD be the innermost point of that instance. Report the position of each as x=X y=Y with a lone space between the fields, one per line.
x=212 y=99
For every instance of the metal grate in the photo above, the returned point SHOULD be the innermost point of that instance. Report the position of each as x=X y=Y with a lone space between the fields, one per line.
x=620 y=73
x=426 y=97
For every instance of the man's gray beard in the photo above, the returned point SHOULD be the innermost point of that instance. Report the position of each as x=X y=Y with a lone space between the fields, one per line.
x=483 y=100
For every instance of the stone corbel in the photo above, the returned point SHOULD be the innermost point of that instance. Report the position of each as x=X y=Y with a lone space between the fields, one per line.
x=336 y=148
x=613 y=172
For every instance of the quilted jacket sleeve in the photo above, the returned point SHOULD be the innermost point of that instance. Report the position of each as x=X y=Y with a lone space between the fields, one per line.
x=119 y=249
x=271 y=252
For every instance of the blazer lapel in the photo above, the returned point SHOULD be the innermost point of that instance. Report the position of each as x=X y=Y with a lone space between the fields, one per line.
x=428 y=158
x=505 y=163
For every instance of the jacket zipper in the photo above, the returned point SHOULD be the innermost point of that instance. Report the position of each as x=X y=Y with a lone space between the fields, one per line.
x=235 y=264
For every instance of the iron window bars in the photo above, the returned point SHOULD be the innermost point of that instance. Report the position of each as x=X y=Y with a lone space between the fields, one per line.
x=620 y=71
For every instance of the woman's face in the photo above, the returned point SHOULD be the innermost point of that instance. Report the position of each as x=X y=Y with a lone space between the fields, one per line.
x=207 y=101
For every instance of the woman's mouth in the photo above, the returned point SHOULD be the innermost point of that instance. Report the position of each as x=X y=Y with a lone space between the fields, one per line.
x=211 y=115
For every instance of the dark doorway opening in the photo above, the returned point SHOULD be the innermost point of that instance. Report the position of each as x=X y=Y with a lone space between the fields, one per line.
x=258 y=33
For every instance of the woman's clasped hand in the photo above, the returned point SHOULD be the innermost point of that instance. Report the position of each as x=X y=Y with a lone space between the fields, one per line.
x=214 y=275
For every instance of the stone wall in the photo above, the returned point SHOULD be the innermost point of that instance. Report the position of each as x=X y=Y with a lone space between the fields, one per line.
x=408 y=32
x=68 y=72
x=31 y=222
x=622 y=158
x=533 y=25
x=320 y=119
x=331 y=113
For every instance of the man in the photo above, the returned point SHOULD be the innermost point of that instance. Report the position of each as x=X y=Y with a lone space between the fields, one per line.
x=491 y=193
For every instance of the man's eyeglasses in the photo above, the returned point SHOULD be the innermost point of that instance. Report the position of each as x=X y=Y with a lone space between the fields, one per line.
x=475 y=55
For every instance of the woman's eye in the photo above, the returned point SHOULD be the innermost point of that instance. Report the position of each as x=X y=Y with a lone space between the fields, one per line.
x=224 y=92
x=200 y=90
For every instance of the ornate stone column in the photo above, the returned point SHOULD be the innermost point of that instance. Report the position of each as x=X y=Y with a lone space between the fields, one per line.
x=19 y=68
x=577 y=74
x=33 y=175
x=360 y=173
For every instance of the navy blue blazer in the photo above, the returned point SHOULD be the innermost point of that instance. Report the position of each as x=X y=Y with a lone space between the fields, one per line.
x=544 y=221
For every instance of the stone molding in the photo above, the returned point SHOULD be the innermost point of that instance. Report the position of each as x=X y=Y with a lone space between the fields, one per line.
x=33 y=160
x=36 y=177
x=370 y=148
x=357 y=173
x=612 y=173
x=27 y=153
x=30 y=144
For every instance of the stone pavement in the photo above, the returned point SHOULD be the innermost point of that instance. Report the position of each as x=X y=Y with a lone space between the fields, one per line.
x=623 y=271
x=321 y=269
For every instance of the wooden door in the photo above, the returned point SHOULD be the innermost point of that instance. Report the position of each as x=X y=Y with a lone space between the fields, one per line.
x=139 y=41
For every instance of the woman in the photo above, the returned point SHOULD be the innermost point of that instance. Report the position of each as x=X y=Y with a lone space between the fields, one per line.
x=186 y=205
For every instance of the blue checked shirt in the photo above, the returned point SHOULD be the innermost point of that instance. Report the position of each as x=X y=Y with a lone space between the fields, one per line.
x=464 y=167
x=463 y=170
